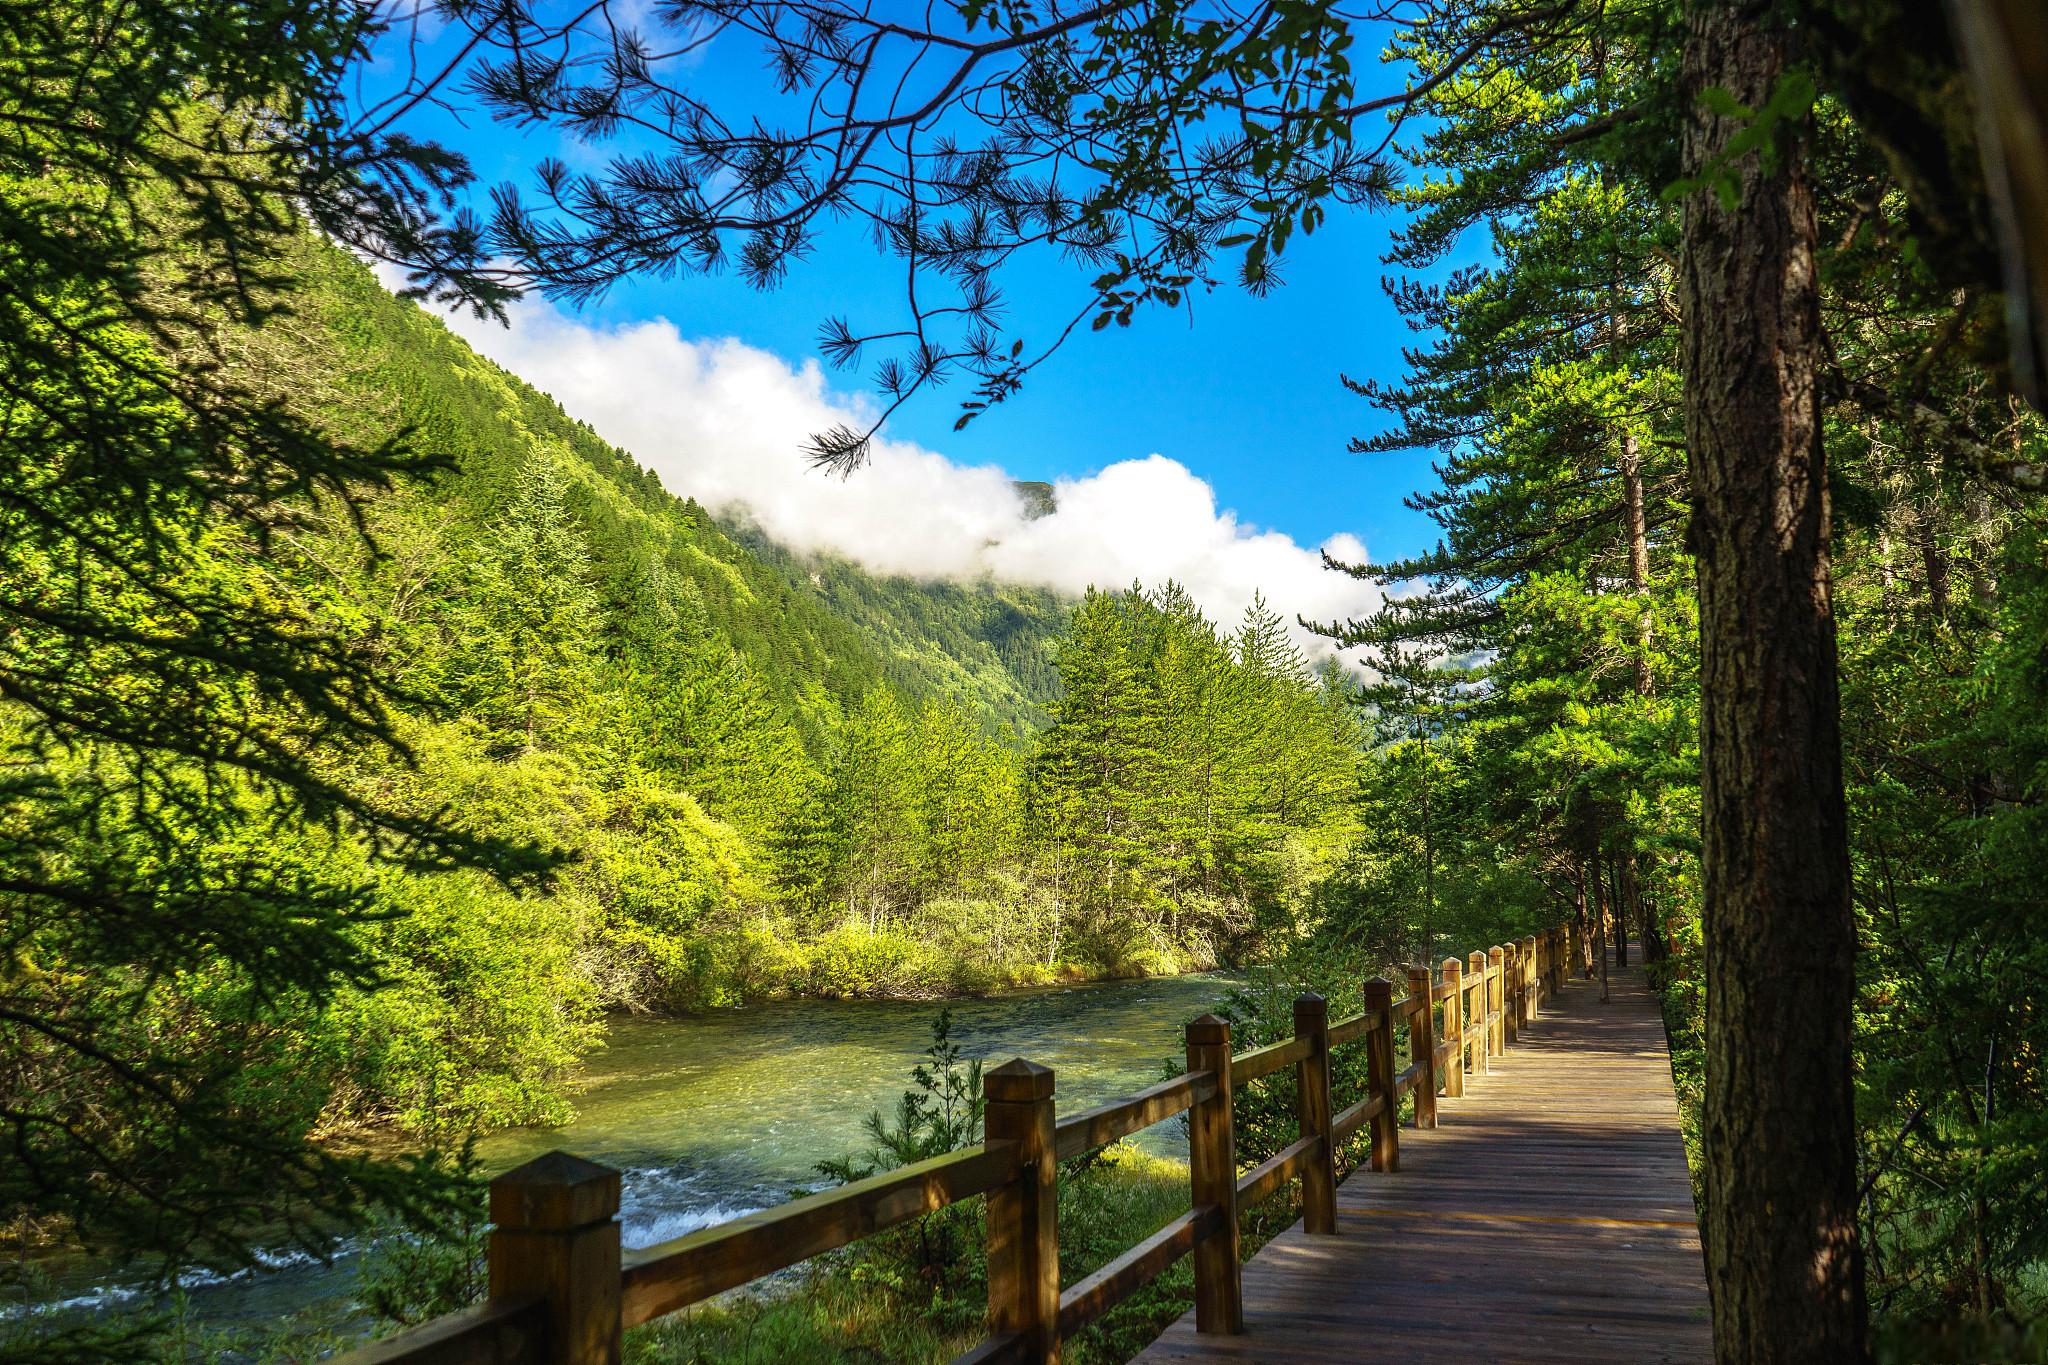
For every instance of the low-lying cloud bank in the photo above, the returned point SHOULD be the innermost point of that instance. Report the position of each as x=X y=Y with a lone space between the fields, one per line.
x=724 y=423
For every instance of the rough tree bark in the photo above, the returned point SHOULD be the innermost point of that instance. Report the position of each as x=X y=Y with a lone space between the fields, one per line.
x=1602 y=923
x=1784 y=1266
x=1638 y=555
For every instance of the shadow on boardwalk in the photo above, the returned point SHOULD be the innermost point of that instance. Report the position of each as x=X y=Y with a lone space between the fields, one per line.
x=1548 y=1217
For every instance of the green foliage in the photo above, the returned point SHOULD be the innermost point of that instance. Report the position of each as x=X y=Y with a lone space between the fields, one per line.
x=186 y=873
x=1545 y=680
x=405 y=1279
x=1192 y=785
x=745 y=775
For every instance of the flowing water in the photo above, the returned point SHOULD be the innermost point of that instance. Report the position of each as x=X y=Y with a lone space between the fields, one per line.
x=717 y=1115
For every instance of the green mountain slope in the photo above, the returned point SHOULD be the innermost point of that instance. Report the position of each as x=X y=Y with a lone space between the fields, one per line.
x=819 y=632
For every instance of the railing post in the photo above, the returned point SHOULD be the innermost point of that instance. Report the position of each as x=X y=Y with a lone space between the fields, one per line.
x=1422 y=1046
x=1511 y=994
x=1454 y=1025
x=1379 y=1075
x=1482 y=1044
x=1212 y=1177
x=1532 y=982
x=1023 y=1214
x=1312 y=1092
x=555 y=1237
x=1496 y=999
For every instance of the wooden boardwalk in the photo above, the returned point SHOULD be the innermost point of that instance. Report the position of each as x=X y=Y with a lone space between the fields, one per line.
x=1548 y=1217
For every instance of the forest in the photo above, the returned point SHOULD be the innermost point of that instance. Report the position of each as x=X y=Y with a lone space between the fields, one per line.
x=732 y=788
x=374 y=730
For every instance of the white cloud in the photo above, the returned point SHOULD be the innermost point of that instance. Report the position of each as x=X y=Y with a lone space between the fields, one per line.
x=724 y=423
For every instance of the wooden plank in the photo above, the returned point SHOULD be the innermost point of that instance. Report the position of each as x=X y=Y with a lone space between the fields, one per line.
x=1104 y=1124
x=1096 y=1294
x=1352 y=1029
x=671 y=1275
x=1552 y=1205
x=1356 y=1117
x=1264 y=1061
x=1276 y=1170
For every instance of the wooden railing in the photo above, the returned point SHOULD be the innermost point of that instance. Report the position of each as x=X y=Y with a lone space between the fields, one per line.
x=562 y=1291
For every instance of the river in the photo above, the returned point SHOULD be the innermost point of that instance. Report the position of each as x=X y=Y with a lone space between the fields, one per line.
x=716 y=1115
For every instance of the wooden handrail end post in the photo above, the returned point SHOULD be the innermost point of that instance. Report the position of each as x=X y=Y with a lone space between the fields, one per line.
x=1023 y=1214
x=555 y=1237
x=1312 y=1092
x=1212 y=1179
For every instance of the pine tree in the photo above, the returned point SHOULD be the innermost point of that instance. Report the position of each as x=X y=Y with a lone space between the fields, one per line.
x=530 y=621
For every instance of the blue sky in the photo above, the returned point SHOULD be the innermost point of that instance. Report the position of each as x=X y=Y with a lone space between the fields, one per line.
x=1244 y=392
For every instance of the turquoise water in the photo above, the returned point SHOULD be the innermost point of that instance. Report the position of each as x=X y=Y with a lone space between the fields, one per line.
x=714 y=1116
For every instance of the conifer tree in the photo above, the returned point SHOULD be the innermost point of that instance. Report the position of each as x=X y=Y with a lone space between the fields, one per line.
x=166 y=714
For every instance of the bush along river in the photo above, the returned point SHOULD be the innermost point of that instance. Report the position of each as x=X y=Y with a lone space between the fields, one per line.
x=714 y=1116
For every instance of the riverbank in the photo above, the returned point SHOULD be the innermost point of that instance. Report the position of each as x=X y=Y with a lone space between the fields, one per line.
x=947 y=960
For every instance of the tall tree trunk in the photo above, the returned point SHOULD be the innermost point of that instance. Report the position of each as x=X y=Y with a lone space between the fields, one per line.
x=1585 y=925
x=1784 y=1265
x=1638 y=554
x=1619 y=901
x=1428 y=871
x=1602 y=920
x=1639 y=907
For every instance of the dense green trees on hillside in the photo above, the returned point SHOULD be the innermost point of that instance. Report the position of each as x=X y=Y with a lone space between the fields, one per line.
x=1189 y=778
x=755 y=792
x=739 y=774
x=185 y=866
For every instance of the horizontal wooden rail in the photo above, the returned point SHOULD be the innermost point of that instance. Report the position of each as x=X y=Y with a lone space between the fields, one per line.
x=1356 y=1117
x=1264 y=1061
x=513 y=1332
x=1007 y=1349
x=1354 y=1028
x=1095 y=1294
x=1118 y=1119
x=1276 y=1170
x=562 y=1292
x=671 y=1275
